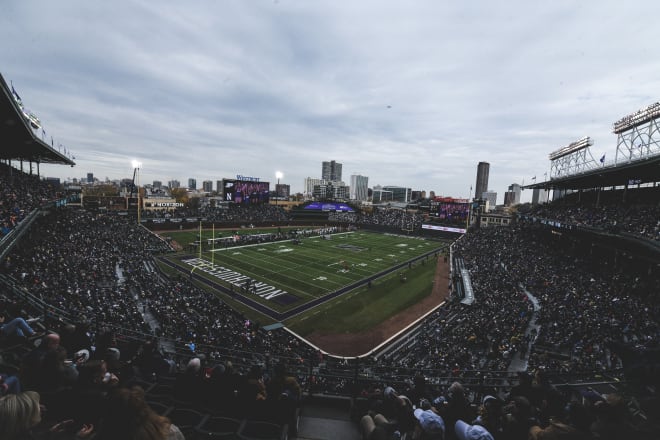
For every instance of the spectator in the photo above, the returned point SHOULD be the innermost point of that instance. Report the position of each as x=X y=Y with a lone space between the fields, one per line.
x=16 y=327
x=127 y=416
x=465 y=431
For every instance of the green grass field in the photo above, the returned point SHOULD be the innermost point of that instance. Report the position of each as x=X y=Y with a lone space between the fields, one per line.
x=317 y=267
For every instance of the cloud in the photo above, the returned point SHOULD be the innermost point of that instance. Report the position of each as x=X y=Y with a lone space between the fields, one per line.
x=408 y=93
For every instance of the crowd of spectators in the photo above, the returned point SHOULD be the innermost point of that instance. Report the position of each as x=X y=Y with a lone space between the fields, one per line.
x=98 y=270
x=530 y=410
x=584 y=300
x=389 y=217
x=20 y=193
x=639 y=216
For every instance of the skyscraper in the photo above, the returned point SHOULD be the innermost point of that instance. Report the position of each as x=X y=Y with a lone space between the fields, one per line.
x=207 y=186
x=331 y=171
x=512 y=196
x=192 y=183
x=359 y=189
x=482 y=179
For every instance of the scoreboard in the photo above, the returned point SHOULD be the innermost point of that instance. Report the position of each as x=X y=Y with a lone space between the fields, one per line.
x=247 y=192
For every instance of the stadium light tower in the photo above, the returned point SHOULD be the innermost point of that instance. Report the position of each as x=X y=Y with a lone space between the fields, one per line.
x=136 y=183
x=278 y=176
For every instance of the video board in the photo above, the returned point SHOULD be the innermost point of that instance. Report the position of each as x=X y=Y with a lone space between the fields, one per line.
x=247 y=192
x=449 y=209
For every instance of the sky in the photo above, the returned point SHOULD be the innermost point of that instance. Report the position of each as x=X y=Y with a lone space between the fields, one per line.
x=409 y=93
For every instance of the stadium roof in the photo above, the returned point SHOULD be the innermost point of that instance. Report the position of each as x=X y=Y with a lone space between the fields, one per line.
x=646 y=170
x=18 y=140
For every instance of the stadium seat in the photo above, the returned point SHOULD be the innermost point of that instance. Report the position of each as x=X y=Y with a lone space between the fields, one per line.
x=159 y=407
x=255 y=430
x=216 y=428
x=185 y=419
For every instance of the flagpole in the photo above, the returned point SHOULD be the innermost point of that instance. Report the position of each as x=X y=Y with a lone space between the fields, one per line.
x=213 y=250
x=200 y=240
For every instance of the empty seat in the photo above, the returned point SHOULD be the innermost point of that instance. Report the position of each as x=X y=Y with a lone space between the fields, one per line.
x=185 y=419
x=216 y=428
x=159 y=407
x=256 y=430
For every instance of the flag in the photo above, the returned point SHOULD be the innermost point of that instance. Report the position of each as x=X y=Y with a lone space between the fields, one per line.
x=602 y=159
x=51 y=141
x=18 y=98
x=534 y=178
x=43 y=133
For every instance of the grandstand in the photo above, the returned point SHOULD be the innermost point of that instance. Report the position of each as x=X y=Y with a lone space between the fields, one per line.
x=568 y=294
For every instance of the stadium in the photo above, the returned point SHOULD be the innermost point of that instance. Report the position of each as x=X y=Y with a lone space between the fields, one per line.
x=244 y=320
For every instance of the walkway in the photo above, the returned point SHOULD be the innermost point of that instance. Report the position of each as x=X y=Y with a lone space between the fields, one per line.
x=518 y=363
x=165 y=344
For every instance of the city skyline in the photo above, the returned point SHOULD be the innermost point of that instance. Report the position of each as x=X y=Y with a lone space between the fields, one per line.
x=410 y=94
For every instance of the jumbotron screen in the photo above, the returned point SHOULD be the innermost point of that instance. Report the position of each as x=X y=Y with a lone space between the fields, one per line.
x=245 y=192
x=452 y=210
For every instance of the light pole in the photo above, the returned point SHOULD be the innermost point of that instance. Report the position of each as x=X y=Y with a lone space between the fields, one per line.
x=278 y=175
x=136 y=175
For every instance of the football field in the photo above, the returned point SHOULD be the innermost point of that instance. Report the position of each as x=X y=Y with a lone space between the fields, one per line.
x=287 y=277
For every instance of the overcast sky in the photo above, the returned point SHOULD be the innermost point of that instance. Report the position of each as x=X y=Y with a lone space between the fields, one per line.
x=409 y=93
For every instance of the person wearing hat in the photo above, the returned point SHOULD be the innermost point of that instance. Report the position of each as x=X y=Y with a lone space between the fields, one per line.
x=398 y=409
x=430 y=425
x=490 y=415
x=465 y=431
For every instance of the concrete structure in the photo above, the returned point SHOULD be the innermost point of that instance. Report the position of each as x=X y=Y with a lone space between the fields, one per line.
x=192 y=183
x=540 y=196
x=173 y=184
x=512 y=196
x=491 y=196
x=331 y=190
x=483 y=169
x=207 y=186
x=309 y=185
x=494 y=220
x=359 y=188
x=331 y=171
x=282 y=190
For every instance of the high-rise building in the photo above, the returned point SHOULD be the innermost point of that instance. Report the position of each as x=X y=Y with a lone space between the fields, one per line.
x=173 y=184
x=218 y=186
x=331 y=171
x=157 y=184
x=482 y=179
x=207 y=186
x=359 y=188
x=491 y=196
x=282 y=190
x=90 y=177
x=309 y=185
x=192 y=183
x=512 y=196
